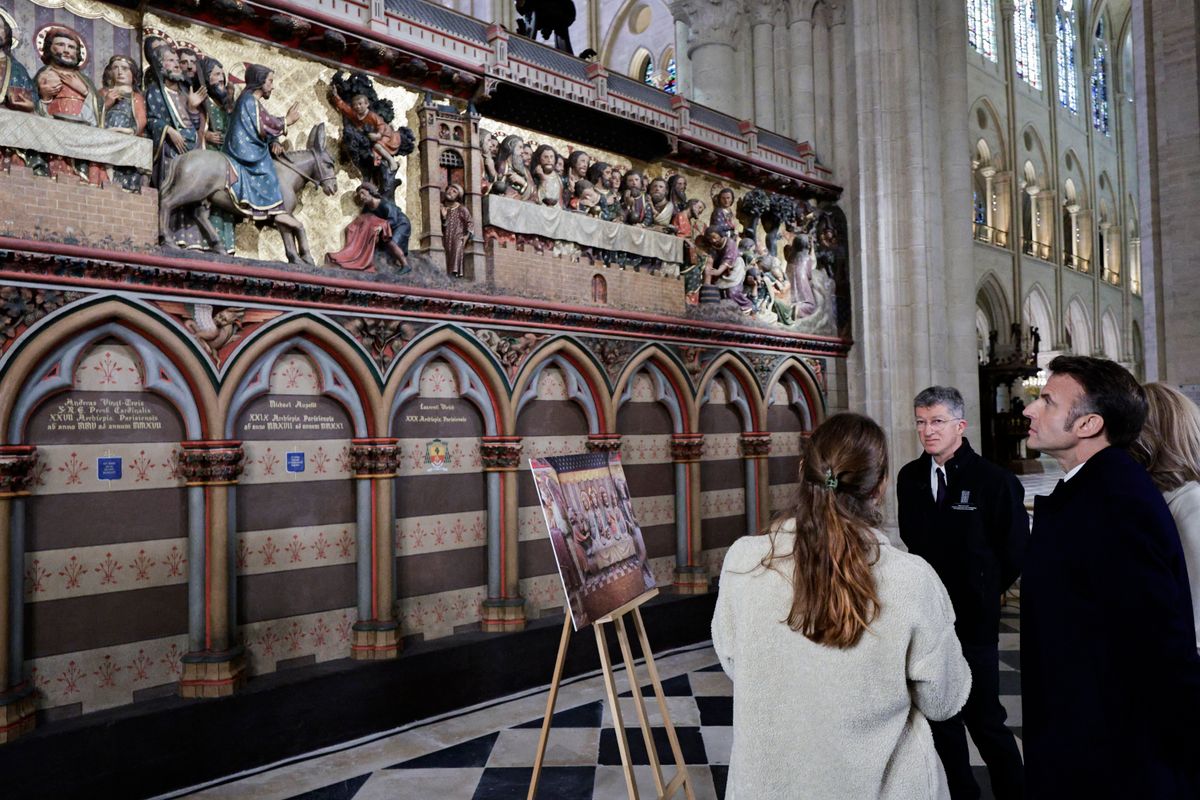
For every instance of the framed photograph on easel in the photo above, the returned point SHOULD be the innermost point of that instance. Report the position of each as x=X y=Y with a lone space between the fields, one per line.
x=593 y=532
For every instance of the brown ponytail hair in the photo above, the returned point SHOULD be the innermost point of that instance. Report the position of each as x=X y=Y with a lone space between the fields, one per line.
x=834 y=594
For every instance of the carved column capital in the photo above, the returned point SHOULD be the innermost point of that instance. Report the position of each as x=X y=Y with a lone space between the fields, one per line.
x=500 y=453
x=374 y=458
x=211 y=462
x=755 y=444
x=686 y=447
x=760 y=13
x=604 y=443
x=17 y=463
x=708 y=21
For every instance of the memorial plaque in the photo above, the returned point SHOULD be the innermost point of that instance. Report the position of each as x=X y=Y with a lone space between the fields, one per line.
x=438 y=417
x=104 y=417
x=295 y=462
x=291 y=416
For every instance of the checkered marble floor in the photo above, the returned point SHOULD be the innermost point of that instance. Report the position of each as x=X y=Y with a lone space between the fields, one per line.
x=486 y=752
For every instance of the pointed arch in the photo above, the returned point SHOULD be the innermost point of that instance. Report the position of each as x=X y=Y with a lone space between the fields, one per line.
x=586 y=384
x=992 y=299
x=345 y=375
x=1110 y=336
x=737 y=375
x=42 y=363
x=985 y=125
x=1079 y=327
x=1035 y=311
x=802 y=389
x=671 y=380
x=480 y=378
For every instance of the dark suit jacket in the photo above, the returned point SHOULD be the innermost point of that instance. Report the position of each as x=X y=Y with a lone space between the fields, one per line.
x=975 y=542
x=1110 y=677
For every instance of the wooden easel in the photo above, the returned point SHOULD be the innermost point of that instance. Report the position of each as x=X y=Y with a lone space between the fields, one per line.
x=631 y=609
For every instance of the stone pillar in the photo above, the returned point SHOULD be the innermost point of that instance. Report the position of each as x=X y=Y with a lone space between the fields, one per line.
x=839 y=81
x=822 y=96
x=215 y=663
x=376 y=633
x=504 y=608
x=716 y=81
x=691 y=577
x=1081 y=221
x=18 y=699
x=989 y=176
x=1000 y=208
x=801 y=31
x=683 y=62
x=907 y=257
x=1045 y=211
x=763 y=51
x=755 y=447
x=1166 y=78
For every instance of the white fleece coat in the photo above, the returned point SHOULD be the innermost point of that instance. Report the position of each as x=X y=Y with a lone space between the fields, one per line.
x=811 y=721
x=1184 y=503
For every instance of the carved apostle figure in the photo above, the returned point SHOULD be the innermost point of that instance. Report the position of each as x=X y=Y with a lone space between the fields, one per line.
x=65 y=93
x=512 y=170
x=124 y=111
x=218 y=108
x=176 y=125
x=635 y=206
x=600 y=174
x=16 y=90
x=549 y=182
x=662 y=210
x=173 y=113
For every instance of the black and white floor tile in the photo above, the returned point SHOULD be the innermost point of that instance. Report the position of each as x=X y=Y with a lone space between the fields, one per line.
x=486 y=753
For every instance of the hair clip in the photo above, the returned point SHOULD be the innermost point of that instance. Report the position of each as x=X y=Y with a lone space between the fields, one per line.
x=831 y=481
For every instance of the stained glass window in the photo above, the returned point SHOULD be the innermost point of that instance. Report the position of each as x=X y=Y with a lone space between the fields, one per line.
x=647 y=72
x=981 y=27
x=1100 y=81
x=1025 y=42
x=1068 y=86
x=671 y=87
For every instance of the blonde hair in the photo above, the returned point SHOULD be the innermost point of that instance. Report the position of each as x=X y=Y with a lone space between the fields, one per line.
x=1169 y=444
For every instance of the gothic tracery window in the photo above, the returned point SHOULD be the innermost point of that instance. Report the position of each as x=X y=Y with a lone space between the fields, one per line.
x=1025 y=42
x=1068 y=88
x=1100 y=80
x=981 y=27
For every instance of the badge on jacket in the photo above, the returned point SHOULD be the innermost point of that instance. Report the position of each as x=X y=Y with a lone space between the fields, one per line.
x=964 y=503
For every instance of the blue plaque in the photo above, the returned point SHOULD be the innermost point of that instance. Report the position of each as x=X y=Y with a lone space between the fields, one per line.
x=295 y=462
x=108 y=468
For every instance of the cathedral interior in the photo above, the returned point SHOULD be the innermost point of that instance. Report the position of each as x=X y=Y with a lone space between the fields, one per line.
x=294 y=290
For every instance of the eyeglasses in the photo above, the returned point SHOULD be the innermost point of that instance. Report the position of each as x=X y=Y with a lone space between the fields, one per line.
x=935 y=424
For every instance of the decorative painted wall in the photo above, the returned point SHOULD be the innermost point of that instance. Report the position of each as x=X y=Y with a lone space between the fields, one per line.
x=251 y=447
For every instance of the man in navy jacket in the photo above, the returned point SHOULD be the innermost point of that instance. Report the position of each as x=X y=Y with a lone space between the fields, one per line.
x=966 y=517
x=1110 y=677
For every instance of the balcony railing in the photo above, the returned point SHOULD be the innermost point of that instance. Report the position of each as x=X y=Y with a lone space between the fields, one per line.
x=1110 y=276
x=1078 y=263
x=986 y=233
x=1040 y=250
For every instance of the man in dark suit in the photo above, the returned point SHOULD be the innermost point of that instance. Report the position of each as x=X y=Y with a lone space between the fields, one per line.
x=1110 y=677
x=966 y=517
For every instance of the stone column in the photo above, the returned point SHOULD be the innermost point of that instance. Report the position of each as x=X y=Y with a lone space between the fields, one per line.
x=716 y=81
x=18 y=699
x=690 y=576
x=762 y=20
x=755 y=447
x=909 y=191
x=683 y=62
x=1045 y=211
x=839 y=80
x=376 y=633
x=215 y=663
x=504 y=608
x=1000 y=208
x=801 y=32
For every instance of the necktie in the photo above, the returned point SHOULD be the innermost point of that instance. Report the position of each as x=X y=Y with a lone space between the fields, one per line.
x=941 y=489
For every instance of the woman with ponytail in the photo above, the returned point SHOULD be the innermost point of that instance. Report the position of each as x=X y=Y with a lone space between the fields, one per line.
x=840 y=647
